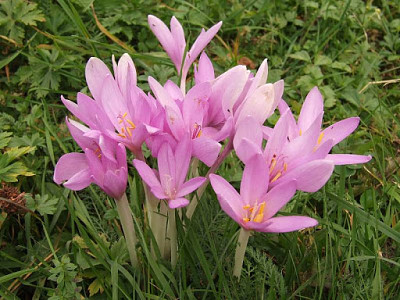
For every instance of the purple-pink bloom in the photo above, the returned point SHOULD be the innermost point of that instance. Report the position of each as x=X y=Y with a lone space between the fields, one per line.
x=254 y=208
x=103 y=163
x=169 y=182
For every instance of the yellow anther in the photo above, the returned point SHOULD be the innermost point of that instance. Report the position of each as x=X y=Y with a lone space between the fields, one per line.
x=123 y=129
x=258 y=218
x=285 y=167
x=273 y=164
x=276 y=177
x=122 y=135
x=132 y=124
x=129 y=131
x=246 y=207
x=321 y=136
x=199 y=134
x=124 y=115
x=246 y=220
x=120 y=121
x=300 y=132
x=261 y=209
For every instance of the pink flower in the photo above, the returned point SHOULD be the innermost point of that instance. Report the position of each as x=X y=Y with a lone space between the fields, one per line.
x=174 y=43
x=254 y=208
x=169 y=183
x=103 y=163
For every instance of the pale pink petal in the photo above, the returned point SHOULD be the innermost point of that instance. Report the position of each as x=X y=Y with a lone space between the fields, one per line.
x=279 y=86
x=278 y=138
x=267 y=132
x=173 y=90
x=183 y=154
x=260 y=104
x=255 y=180
x=340 y=130
x=69 y=165
x=205 y=70
x=260 y=78
x=161 y=94
x=277 y=198
x=195 y=104
x=77 y=131
x=167 y=168
x=201 y=42
x=190 y=185
x=165 y=38
x=79 y=181
x=309 y=177
x=148 y=176
x=246 y=149
x=115 y=183
x=206 y=149
x=126 y=74
x=96 y=71
x=348 y=159
x=177 y=203
x=285 y=224
x=112 y=101
x=179 y=40
x=305 y=143
x=175 y=121
x=293 y=129
x=228 y=198
x=312 y=107
x=250 y=131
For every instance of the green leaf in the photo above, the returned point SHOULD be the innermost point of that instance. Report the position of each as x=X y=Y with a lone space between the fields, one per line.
x=4 y=139
x=301 y=55
x=321 y=60
x=95 y=287
x=43 y=204
x=341 y=66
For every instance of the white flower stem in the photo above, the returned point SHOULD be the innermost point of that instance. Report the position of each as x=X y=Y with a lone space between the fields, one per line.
x=240 y=251
x=125 y=215
x=172 y=234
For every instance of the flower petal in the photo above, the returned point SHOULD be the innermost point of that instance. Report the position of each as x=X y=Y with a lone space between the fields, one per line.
x=126 y=74
x=96 y=71
x=190 y=185
x=348 y=159
x=149 y=177
x=167 y=168
x=177 y=203
x=277 y=198
x=228 y=197
x=205 y=71
x=309 y=177
x=285 y=224
x=255 y=180
x=312 y=107
x=340 y=130
x=183 y=154
x=206 y=149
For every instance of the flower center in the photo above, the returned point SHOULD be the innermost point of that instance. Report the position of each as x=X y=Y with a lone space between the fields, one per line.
x=127 y=126
x=196 y=131
x=277 y=167
x=254 y=213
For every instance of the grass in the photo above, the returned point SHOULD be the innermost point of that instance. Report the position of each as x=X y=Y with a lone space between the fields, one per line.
x=69 y=245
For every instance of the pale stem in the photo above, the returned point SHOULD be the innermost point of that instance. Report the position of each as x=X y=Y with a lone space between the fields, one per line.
x=125 y=215
x=193 y=204
x=183 y=84
x=240 y=251
x=157 y=221
x=172 y=236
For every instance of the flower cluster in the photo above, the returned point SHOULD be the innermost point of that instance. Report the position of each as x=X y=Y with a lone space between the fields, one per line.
x=180 y=126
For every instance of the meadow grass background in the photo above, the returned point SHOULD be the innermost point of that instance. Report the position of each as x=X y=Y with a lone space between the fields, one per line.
x=68 y=245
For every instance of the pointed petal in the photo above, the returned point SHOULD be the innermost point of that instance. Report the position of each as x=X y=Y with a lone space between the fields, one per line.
x=201 y=42
x=126 y=74
x=348 y=159
x=260 y=78
x=190 y=185
x=206 y=150
x=179 y=40
x=165 y=38
x=248 y=139
x=177 y=203
x=115 y=183
x=69 y=165
x=96 y=71
x=340 y=130
x=293 y=129
x=277 y=198
x=260 y=104
x=278 y=138
x=167 y=168
x=205 y=71
x=285 y=224
x=173 y=90
x=311 y=176
x=312 y=107
x=234 y=90
x=255 y=180
x=228 y=197
x=247 y=149
x=161 y=94
x=150 y=178
x=183 y=154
